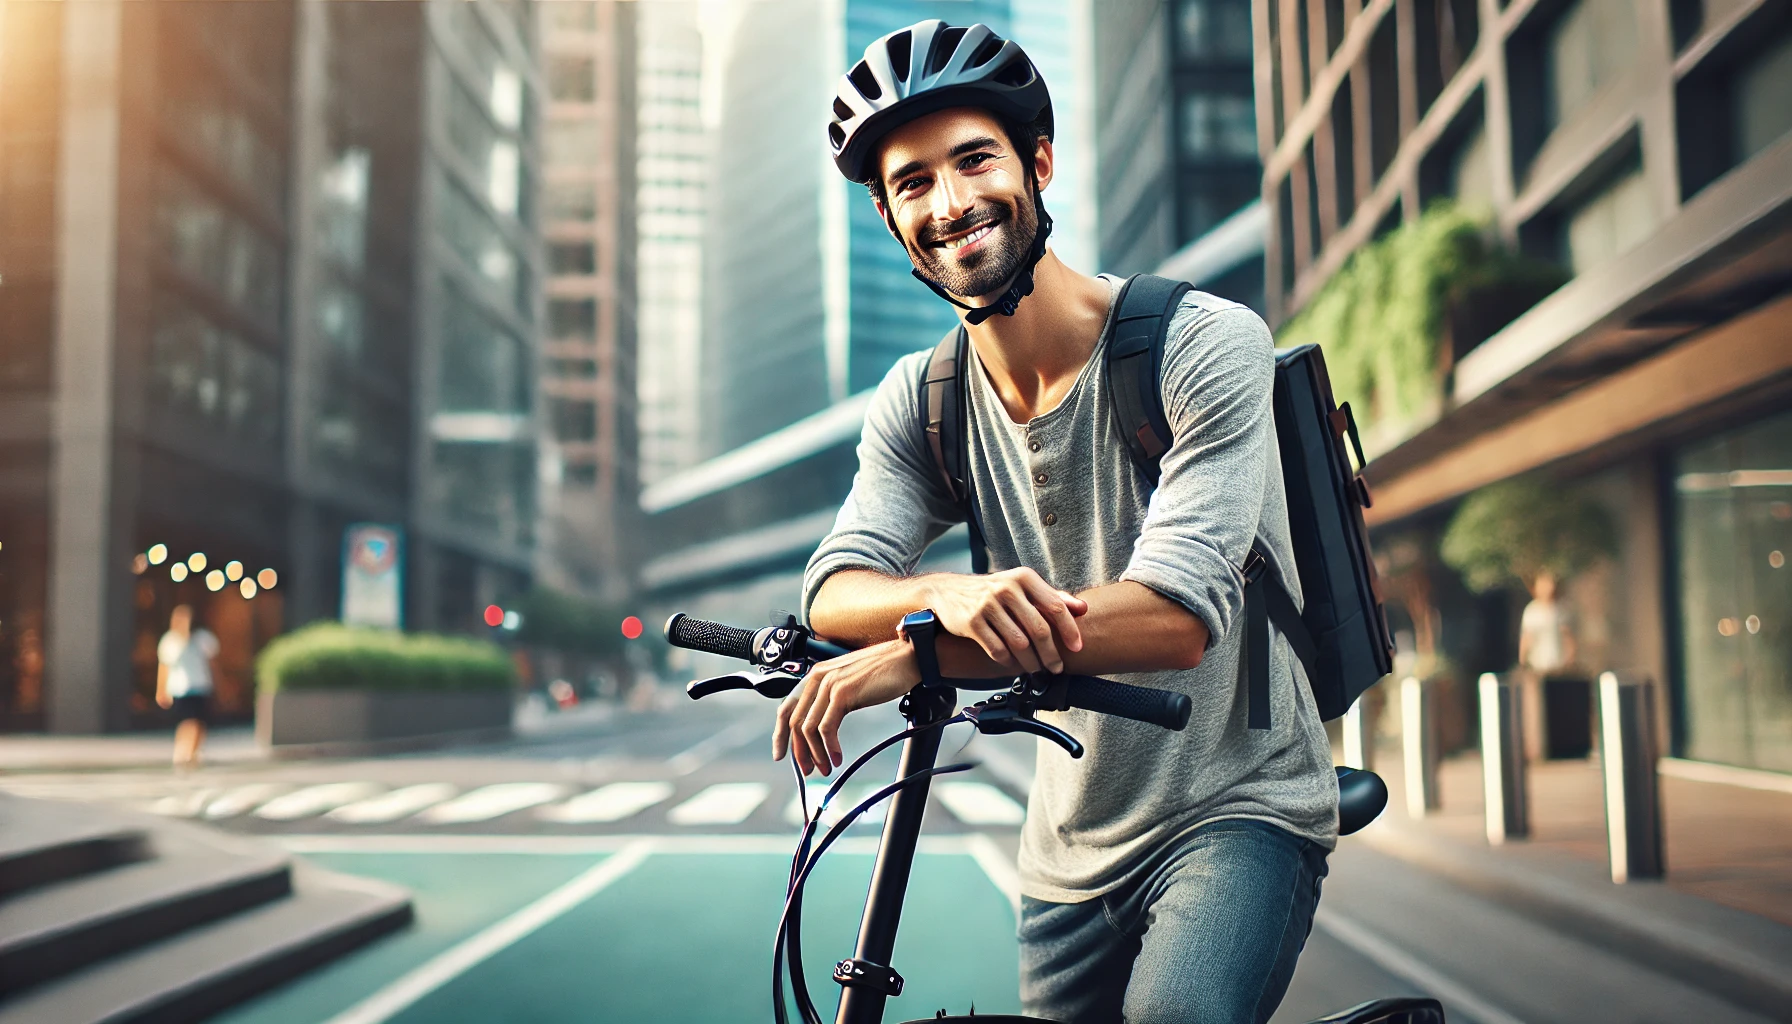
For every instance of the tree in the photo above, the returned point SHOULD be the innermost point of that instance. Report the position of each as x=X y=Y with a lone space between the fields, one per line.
x=1519 y=529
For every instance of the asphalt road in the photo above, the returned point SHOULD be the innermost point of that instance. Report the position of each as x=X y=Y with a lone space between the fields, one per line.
x=688 y=797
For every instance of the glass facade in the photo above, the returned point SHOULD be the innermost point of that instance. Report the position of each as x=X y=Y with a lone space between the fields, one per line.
x=1733 y=504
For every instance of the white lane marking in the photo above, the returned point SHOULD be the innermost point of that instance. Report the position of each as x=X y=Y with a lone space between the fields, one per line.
x=995 y=863
x=495 y=801
x=614 y=802
x=314 y=800
x=457 y=960
x=184 y=805
x=242 y=800
x=979 y=803
x=712 y=747
x=845 y=801
x=448 y=843
x=1405 y=966
x=400 y=803
x=726 y=803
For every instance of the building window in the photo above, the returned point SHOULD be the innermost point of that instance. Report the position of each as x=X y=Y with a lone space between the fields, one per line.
x=572 y=144
x=579 y=474
x=572 y=319
x=1614 y=219
x=475 y=236
x=1763 y=112
x=213 y=375
x=485 y=368
x=570 y=16
x=1589 y=47
x=572 y=258
x=214 y=245
x=1214 y=29
x=573 y=369
x=573 y=420
x=571 y=78
x=1219 y=127
x=1471 y=171
x=1733 y=498
x=572 y=200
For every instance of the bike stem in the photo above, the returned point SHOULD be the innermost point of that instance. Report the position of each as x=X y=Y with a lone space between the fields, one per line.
x=924 y=705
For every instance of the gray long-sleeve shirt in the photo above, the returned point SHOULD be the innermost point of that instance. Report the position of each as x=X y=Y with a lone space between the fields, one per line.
x=1092 y=822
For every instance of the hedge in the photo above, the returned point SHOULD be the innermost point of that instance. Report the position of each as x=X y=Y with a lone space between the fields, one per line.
x=331 y=656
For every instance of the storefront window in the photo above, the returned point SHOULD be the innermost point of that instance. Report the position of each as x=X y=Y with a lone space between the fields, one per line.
x=1734 y=504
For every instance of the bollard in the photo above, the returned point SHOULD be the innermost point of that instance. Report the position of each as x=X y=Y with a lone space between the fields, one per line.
x=1632 y=794
x=1359 y=737
x=1502 y=759
x=1418 y=737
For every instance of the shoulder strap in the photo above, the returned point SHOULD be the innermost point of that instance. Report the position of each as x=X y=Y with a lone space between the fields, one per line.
x=943 y=412
x=1135 y=357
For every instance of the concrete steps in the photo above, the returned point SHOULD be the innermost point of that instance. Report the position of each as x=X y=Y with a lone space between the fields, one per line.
x=165 y=921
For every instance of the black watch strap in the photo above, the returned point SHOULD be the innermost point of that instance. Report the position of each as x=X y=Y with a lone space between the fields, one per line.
x=921 y=629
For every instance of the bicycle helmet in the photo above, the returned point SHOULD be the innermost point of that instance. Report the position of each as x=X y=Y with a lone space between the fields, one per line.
x=928 y=67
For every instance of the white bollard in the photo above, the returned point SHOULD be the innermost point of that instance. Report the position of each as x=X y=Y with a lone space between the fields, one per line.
x=1418 y=737
x=1359 y=737
x=1502 y=759
x=1632 y=793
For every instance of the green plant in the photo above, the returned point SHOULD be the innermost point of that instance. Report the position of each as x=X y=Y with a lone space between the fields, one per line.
x=1518 y=529
x=331 y=656
x=1384 y=319
x=570 y=624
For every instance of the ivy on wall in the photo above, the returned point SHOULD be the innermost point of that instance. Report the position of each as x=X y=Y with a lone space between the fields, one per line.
x=1400 y=313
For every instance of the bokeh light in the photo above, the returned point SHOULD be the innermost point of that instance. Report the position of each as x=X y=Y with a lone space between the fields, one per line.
x=214 y=580
x=233 y=570
x=139 y=565
x=177 y=571
x=158 y=553
x=247 y=587
x=494 y=616
x=631 y=627
x=196 y=561
x=267 y=578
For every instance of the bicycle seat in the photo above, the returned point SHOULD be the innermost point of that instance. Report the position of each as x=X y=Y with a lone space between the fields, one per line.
x=1361 y=797
x=1404 y=1010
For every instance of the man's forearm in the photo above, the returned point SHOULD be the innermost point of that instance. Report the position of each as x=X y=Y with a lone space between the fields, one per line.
x=1128 y=626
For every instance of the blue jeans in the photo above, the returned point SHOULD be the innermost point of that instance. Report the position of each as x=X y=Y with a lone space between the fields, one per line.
x=1208 y=934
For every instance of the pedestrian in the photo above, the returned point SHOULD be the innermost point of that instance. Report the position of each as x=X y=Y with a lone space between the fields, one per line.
x=1546 y=649
x=186 y=665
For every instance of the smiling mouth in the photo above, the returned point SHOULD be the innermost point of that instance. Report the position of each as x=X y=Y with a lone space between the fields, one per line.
x=976 y=234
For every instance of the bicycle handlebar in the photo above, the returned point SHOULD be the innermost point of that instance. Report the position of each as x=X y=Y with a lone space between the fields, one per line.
x=1164 y=708
x=709 y=637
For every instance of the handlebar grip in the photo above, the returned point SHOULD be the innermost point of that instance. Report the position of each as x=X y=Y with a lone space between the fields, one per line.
x=1140 y=703
x=709 y=637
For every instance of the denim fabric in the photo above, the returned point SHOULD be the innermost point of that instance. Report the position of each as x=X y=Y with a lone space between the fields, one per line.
x=1209 y=934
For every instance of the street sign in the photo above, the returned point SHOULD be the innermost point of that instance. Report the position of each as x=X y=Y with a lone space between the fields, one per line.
x=373 y=575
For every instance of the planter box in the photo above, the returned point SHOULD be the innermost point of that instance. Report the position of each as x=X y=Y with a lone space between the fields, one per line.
x=363 y=719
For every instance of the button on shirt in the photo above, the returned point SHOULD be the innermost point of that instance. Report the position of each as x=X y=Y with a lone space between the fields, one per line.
x=1060 y=494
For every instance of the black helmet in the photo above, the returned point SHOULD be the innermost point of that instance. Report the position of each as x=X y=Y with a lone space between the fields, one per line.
x=927 y=67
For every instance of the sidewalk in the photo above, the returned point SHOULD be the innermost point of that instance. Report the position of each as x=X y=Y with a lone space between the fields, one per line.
x=1722 y=918
x=36 y=752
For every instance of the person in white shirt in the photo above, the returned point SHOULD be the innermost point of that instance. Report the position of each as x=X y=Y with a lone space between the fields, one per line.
x=1545 y=648
x=186 y=666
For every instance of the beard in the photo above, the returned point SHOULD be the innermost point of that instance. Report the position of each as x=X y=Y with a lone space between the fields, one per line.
x=987 y=269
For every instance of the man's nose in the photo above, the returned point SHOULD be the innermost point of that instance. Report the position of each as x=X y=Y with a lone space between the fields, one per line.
x=952 y=200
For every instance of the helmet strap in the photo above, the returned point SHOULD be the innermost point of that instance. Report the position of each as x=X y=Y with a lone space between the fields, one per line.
x=1023 y=281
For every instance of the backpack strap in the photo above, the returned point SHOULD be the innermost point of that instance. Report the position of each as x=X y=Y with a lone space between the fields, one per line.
x=943 y=407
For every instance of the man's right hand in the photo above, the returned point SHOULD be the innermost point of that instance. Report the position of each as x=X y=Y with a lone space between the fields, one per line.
x=1015 y=616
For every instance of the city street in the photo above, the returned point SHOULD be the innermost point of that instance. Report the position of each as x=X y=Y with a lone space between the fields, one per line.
x=628 y=866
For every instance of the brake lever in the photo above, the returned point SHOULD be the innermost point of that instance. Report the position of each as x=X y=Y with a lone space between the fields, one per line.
x=776 y=685
x=997 y=715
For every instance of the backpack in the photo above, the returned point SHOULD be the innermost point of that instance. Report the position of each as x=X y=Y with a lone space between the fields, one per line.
x=1341 y=636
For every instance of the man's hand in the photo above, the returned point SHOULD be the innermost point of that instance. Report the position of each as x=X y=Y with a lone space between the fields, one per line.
x=1011 y=614
x=809 y=719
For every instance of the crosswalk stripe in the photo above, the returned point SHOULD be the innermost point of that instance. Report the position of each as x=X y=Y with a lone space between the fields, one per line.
x=614 y=802
x=184 y=805
x=979 y=803
x=315 y=800
x=493 y=801
x=845 y=801
x=726 y=803
x=389 y=807
x=242 y=800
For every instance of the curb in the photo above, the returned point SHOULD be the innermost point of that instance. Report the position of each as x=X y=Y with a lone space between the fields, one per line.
x=1740 y=957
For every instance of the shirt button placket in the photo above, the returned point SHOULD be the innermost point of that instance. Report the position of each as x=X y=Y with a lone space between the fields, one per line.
x=1040 y=478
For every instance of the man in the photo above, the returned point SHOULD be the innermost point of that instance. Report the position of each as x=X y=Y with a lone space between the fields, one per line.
x=184 y=672
x=1165 y=876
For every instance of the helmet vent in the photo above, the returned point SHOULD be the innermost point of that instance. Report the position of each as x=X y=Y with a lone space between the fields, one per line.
x=837 y=136
x=944 y=45
x=841 y=110
x=985 y=53
x=900 y=50
x=866 y=81
x=1017 y=74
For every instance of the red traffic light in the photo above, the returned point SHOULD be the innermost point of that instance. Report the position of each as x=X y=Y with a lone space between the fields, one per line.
x=494 y=616
x=631 y=627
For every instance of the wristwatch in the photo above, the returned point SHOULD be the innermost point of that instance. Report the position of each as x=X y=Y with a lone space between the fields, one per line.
x=920 y=628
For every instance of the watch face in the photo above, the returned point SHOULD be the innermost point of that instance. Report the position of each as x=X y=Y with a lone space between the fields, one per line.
x=918 y=620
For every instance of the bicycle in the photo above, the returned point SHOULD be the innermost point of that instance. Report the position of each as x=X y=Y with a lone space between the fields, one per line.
x=781 y=655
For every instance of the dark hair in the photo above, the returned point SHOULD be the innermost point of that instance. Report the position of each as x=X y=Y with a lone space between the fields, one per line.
x=1016 y=131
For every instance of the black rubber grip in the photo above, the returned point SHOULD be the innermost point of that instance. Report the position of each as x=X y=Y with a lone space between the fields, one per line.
x=1139 y=703
x=710 y=637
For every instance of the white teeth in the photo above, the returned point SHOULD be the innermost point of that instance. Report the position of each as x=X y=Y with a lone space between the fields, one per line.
x=972 y=237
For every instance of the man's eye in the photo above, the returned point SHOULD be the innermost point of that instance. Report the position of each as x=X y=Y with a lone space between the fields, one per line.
x=977 y=159
x=910 y=185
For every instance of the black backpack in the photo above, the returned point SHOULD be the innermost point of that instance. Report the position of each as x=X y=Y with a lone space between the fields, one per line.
x=1341 y=637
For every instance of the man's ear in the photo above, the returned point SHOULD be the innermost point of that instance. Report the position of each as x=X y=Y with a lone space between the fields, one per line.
x=1044 y=161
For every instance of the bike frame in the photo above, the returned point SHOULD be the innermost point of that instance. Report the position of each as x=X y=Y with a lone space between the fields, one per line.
x=861 y=1004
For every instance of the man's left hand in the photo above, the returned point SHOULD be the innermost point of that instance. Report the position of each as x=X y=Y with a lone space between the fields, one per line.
x=809 y=719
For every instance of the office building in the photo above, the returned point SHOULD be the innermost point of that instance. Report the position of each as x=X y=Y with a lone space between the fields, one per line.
x=1644 y=149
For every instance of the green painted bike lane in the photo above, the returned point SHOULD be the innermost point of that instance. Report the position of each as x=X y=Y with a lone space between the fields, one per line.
x=682 y=938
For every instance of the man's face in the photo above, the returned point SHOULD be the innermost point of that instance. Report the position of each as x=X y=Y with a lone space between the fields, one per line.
x=959 y=197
